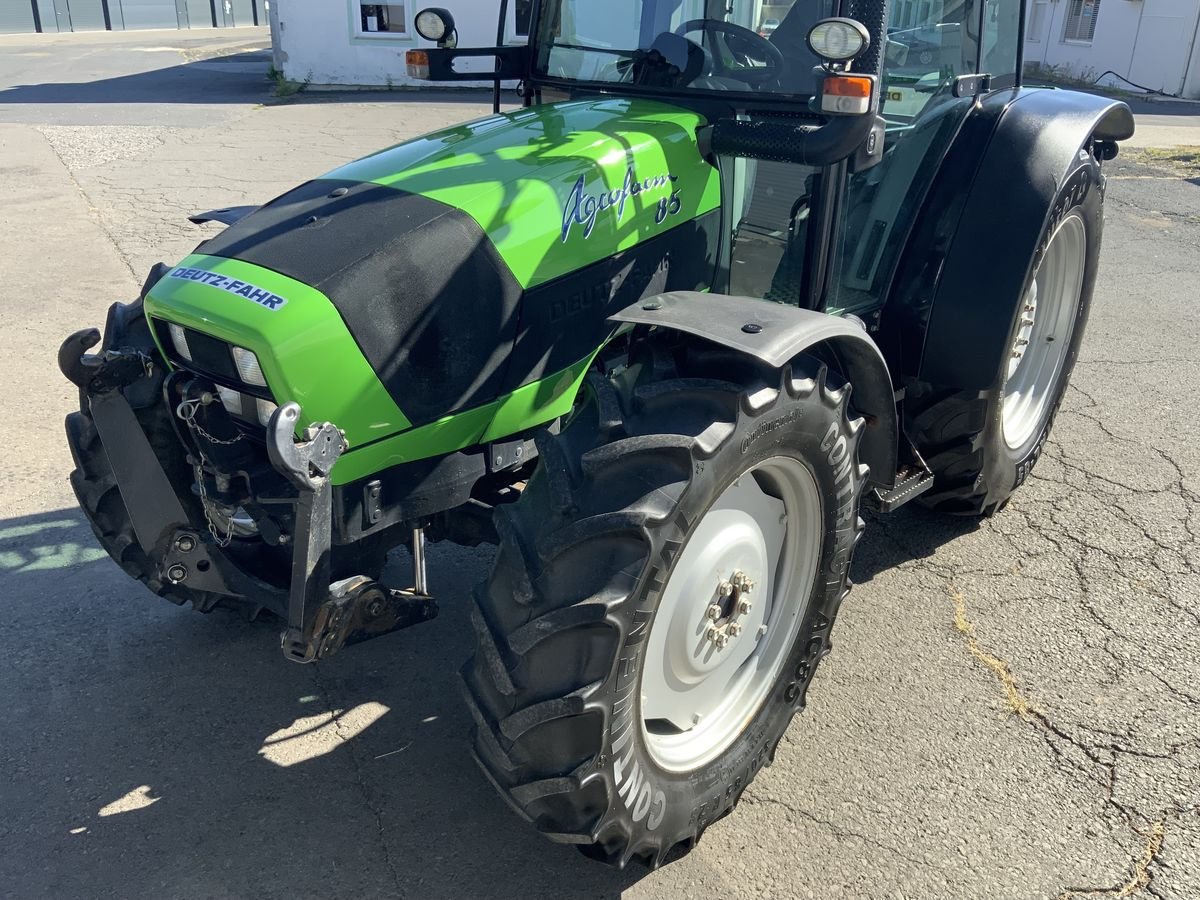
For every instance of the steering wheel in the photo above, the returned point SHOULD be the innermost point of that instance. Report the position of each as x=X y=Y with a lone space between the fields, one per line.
x=754 y=47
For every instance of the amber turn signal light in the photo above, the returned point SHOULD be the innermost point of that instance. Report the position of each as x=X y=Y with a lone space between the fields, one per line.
x=418 y=64
x=847 y=94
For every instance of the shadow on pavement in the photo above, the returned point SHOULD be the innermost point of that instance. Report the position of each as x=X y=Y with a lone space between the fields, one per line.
x=238 y=78
x=910 y=533
x=1162 y=106
x=150 y=752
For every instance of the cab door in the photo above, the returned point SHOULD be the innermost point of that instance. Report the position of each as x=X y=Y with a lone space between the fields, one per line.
x=931 y=43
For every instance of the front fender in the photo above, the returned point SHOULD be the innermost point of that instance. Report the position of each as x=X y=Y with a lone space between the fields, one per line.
x=776 y=334
x=981 y=266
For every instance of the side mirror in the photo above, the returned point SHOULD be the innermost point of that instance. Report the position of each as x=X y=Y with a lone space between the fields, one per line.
x=437 y=24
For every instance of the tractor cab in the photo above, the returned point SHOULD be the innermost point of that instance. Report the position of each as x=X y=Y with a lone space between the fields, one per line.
x=827 y=119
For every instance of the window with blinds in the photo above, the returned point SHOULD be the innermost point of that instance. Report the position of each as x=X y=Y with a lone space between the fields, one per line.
x=1081 y=20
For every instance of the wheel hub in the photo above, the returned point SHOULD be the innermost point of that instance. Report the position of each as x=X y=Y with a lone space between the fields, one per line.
x=729 y=613
x=731 y=607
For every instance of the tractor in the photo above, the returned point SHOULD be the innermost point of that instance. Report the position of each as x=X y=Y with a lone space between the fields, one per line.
x=732 y=272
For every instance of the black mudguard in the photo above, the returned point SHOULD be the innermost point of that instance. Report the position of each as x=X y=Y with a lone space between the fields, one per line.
x=969 y=256
x=776 y=334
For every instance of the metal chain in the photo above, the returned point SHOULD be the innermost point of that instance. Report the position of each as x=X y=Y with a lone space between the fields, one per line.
x=187 y=411
x=222 y=540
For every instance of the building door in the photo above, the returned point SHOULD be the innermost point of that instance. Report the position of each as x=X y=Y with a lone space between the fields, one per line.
x=199 y=13
x=1164 y=40
x=235 y=12
x=132 y=14
x=80 y=15
x=16 y=18
x=244 y=12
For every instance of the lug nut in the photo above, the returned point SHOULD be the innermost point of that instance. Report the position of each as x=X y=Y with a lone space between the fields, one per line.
x=713 y=612
x=177 y=573
x=185 y=544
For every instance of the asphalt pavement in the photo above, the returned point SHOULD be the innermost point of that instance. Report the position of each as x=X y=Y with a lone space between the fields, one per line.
x=1010 y=709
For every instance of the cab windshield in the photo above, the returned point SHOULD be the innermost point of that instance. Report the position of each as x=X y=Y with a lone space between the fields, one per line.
x=742 y=46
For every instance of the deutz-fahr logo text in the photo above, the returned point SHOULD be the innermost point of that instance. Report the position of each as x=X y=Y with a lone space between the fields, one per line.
x=584 y=209
x=258 y=295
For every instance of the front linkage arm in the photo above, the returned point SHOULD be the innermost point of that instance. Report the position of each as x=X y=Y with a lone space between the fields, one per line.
x=323 y=618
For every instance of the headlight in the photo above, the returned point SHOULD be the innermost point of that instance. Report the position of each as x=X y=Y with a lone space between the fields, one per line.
x=838 y=40
x=434 y=24
x=179 y=339
x=248 y=367
x=266 y=409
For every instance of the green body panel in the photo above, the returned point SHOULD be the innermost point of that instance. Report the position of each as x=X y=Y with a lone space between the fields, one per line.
x=515 y=175
x=310 y=358
x=305 y=349
x=525 y=408
x=526 y=179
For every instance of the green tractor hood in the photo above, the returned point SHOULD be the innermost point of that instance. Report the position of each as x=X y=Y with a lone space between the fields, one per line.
x=453 y=288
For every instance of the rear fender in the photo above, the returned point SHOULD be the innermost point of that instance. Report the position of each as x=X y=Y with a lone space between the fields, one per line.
x=971 y=253
x=776 y=334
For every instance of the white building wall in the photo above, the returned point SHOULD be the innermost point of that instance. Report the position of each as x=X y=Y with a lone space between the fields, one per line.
x=322 y=41
x=1153 y=43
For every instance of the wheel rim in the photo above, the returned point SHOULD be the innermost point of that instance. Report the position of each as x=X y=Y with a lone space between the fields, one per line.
x=730 y=613
x=1044 y=328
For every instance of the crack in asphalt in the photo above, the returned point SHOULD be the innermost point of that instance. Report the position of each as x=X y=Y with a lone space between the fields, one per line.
x=752 y=798
x=1139 y=875
x=359 y=778
x=1093 y=753
x=93 y=209
x=1019 y=704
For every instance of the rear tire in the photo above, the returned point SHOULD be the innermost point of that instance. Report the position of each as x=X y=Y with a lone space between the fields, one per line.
x=979 y=453
x=567 y=620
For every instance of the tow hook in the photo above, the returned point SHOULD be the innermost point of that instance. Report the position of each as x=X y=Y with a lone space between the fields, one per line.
x=100 y=372
x=358 y=610
x=323 y=618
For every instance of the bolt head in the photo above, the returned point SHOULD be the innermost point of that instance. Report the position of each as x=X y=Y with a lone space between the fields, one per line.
x=710 y=633
x=177 y=573
x=734 y=629
x=185 y=543
x=713 y=612
x=722 y=641
x=724 y=589
x=744 y=607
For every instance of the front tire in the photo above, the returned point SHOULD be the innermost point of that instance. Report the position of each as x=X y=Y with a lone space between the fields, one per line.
x=599 y=608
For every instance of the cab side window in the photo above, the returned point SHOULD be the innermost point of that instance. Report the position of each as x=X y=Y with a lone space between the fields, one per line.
x=1001 y=34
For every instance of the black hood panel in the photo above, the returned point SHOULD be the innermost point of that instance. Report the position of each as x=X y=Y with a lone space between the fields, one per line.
x=422 y=289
